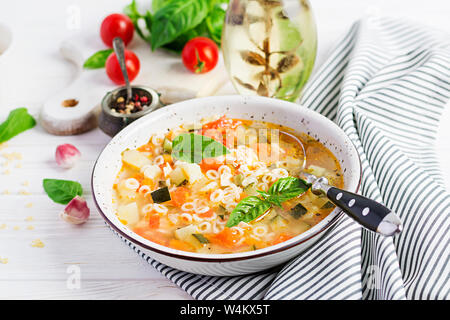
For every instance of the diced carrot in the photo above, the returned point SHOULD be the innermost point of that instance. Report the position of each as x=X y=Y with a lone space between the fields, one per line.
x=167 y=158
x=179 y=196
x=253 y=242
x=243 y=195
x=207 y=214
x=153 y=221
x=221 y=123
x=218 y=130
x=215 y=134
x=181 y=245
x=227 y=238
x=210 y=164
x=146 y=147
x=139 y=177
x=151 y=235
x=282 y=237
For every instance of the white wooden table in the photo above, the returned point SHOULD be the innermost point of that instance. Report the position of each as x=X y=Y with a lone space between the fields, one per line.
x=108 y=269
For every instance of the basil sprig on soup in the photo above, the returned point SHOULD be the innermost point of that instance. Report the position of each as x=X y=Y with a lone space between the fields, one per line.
x=224 y=186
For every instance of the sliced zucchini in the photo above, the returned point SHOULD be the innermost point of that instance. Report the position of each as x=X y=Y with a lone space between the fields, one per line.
x=221 y=210
x=327 y=205
x=167 y=145
x=251 y=190
x=298 y=211
x=186 y=234
x=237 y=179
x=201 y=238
x=161 y=195
x=278 y=223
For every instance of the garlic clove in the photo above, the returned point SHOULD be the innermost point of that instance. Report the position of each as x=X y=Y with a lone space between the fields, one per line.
x=67 y=155
x=76 y=211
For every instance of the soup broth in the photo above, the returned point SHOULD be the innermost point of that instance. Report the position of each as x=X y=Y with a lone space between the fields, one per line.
x=187 y=206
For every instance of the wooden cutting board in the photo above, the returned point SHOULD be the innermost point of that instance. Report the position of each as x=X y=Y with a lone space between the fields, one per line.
x=161 y=70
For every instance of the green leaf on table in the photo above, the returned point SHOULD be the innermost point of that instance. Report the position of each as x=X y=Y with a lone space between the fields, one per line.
x=97 y=60
x=248 y=209
x=62 y=191
x=175 y=18
x=19 y=120
x=193 y=148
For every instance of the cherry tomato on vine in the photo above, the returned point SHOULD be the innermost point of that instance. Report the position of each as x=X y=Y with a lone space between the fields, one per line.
x=113 y=68
x=116 y=25
x=200 y=55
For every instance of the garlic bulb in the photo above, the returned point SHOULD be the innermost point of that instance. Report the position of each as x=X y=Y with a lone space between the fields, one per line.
x=76 y=212
x=67 y=155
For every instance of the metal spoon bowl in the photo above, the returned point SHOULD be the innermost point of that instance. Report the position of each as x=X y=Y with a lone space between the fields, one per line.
x=370 y=214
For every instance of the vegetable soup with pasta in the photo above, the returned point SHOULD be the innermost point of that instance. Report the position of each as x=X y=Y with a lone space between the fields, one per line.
x=224 y=186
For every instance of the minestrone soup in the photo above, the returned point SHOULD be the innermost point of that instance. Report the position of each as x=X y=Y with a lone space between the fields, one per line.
x=223 y=186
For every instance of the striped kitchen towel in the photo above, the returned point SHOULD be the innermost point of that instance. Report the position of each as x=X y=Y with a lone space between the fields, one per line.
x=385 y=84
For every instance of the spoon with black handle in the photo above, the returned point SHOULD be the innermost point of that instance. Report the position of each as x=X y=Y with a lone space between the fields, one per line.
x=370 y=214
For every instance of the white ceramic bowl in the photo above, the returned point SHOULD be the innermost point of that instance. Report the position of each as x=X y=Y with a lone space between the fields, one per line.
x=245 y=107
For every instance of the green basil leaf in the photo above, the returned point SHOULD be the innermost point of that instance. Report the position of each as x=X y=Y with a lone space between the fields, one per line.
x=247 y=209
x=214 y=22
x=158 y=4
x=62 y=191
x=177 y=45
x=285 y=189
x=18 y=120
x=193 y=148
x=132 y=12
x=97 y=60
x=175 y=18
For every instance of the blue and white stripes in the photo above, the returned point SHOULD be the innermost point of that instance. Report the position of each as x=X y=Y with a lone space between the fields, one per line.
x=385 y=84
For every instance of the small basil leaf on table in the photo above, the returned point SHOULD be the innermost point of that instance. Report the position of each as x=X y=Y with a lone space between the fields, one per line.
x=62 y=191
x=248 y=209
x=18 y=120
x=193 y=148
x=175 y=18
x=97 y=60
